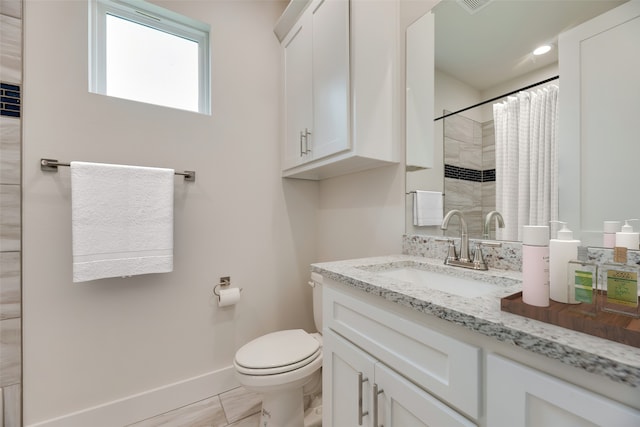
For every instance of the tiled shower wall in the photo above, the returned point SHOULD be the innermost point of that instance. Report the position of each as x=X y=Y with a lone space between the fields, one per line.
x=10 y=212
x=469 y=183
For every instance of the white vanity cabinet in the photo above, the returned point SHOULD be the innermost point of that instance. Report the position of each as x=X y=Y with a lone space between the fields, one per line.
x=340 y=83
x=519 y=396
x=411 y=375
x=366 y=392
x=412 y=369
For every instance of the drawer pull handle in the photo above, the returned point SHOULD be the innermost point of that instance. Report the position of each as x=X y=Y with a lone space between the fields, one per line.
x=376 y=392
x=361 y=381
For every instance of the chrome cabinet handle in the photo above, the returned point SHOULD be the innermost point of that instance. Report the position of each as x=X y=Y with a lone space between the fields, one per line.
x=376 y=392
x=301 y=149
x=307 y=132
x=361 y=381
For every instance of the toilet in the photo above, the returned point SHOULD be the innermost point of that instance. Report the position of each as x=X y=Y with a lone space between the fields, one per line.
x=284 y=366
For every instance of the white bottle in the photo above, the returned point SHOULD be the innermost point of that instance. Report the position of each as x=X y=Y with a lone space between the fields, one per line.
x=610 y=229
x=535 y=265
x=561 y=250
x=627 y=238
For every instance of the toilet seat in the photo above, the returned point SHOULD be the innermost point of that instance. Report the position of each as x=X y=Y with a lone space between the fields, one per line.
x=277 y=352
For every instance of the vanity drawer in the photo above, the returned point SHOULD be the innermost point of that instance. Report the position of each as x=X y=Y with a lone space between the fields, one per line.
x=447 y=368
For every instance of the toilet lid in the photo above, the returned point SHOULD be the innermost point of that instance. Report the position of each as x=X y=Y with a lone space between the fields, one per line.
x=277 y=349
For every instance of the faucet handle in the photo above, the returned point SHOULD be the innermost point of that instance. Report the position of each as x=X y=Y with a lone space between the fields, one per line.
x=452 y=255
x=478 y=258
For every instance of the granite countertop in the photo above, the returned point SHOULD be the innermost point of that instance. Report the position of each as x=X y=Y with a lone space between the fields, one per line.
x=619 y=362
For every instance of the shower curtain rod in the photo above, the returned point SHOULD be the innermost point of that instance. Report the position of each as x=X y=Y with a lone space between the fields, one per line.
x=550 y=79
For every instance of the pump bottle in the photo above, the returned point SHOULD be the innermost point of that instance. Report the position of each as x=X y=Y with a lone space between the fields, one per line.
x=627 y=238
x=562 y=249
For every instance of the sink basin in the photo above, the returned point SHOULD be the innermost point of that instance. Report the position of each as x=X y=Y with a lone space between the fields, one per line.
x=463 y=287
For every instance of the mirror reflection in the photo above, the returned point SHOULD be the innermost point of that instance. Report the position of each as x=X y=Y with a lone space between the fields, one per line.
x=480 y=55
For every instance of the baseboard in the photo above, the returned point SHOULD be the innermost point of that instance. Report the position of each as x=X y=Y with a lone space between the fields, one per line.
x=150 y=403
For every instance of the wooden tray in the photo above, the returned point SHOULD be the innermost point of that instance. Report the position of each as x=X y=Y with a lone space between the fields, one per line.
x=611 y=326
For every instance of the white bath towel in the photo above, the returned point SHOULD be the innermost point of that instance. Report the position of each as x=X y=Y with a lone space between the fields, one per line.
x=427 y=208
x=122 y=220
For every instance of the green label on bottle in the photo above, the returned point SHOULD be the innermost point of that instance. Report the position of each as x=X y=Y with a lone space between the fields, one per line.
x=583 y=290
x=622 y=288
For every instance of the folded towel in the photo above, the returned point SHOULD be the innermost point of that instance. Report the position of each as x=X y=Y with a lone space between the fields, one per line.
x=122 y=220
x=427 y=208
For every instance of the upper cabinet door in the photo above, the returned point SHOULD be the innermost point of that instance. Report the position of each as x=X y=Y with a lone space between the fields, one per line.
x=330 y=78
x=420 y=93
x=298 y=95
x=599 y=63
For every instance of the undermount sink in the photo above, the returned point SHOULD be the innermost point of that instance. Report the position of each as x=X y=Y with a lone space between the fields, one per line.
x=463 y=287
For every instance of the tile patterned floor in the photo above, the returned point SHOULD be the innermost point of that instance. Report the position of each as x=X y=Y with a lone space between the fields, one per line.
x=234 y=408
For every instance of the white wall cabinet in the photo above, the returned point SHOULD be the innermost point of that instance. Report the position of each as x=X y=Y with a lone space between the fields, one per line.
x=340 y=62
x=521 y=396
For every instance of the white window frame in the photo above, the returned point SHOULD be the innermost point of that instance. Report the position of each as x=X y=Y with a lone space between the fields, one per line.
x=144 y=13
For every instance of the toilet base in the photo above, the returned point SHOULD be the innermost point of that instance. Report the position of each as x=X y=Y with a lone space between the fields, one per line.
x=283 y=409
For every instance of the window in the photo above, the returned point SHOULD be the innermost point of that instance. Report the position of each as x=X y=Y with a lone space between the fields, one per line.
x=145 y=53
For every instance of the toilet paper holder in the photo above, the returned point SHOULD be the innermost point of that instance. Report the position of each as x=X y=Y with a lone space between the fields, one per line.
x=225 y=282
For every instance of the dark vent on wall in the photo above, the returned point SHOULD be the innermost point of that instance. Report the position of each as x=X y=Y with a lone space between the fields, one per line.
x=473 y=6
x=9 y=100
x=465 y=174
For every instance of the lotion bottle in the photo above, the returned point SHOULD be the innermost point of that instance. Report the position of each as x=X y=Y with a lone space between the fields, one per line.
x=535 y=265
x=610 y=229
x=627 y=238
x=621 y=282
x=561 y=250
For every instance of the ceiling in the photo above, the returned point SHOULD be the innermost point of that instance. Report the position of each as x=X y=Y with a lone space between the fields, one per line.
x=494 y=44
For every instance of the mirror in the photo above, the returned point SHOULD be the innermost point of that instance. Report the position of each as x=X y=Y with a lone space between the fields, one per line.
x=479 y=55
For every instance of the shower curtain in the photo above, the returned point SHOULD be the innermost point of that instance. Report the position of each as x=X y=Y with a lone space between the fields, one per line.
x=526 y=160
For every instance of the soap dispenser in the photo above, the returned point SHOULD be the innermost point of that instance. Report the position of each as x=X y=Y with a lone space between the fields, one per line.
x=562 y=249
x=627 y=238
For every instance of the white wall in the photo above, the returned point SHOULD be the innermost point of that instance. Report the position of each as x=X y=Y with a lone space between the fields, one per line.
x=90 y=343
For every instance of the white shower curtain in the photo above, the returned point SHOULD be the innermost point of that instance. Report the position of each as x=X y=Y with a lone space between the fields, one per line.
x=526 y=160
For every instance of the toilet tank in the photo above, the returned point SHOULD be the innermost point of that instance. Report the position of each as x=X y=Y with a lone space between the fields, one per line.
x=316 y=284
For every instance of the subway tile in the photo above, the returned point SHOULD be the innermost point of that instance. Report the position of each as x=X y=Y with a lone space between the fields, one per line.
x=206 y=413
x=9 y=285
x=9 y=218
x=9 y=151
x=10 y=49
x=11 y=8
x=10 y=100
x=12 y=397
x=10 y=342
x=240 y=403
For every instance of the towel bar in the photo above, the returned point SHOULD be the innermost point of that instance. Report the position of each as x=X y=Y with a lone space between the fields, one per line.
x=51 y=165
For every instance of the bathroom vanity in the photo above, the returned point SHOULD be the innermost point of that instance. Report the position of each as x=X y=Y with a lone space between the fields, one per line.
x=409 y=341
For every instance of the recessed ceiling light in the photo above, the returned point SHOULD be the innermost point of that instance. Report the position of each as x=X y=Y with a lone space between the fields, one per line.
x=541 y=50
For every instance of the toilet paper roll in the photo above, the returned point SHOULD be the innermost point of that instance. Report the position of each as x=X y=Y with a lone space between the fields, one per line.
x=228 y=297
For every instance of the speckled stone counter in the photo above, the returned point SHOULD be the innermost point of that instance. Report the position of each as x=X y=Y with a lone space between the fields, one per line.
x=619 y=362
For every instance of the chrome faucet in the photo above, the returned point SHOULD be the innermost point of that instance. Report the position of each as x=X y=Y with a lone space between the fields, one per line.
x=464 y=260
x=464 y=237
x=487 y=223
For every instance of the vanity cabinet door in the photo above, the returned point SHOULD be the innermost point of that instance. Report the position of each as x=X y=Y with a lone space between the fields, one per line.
x=343 y=364
x=521 y=396
x=351 y=376
x=401 y=403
